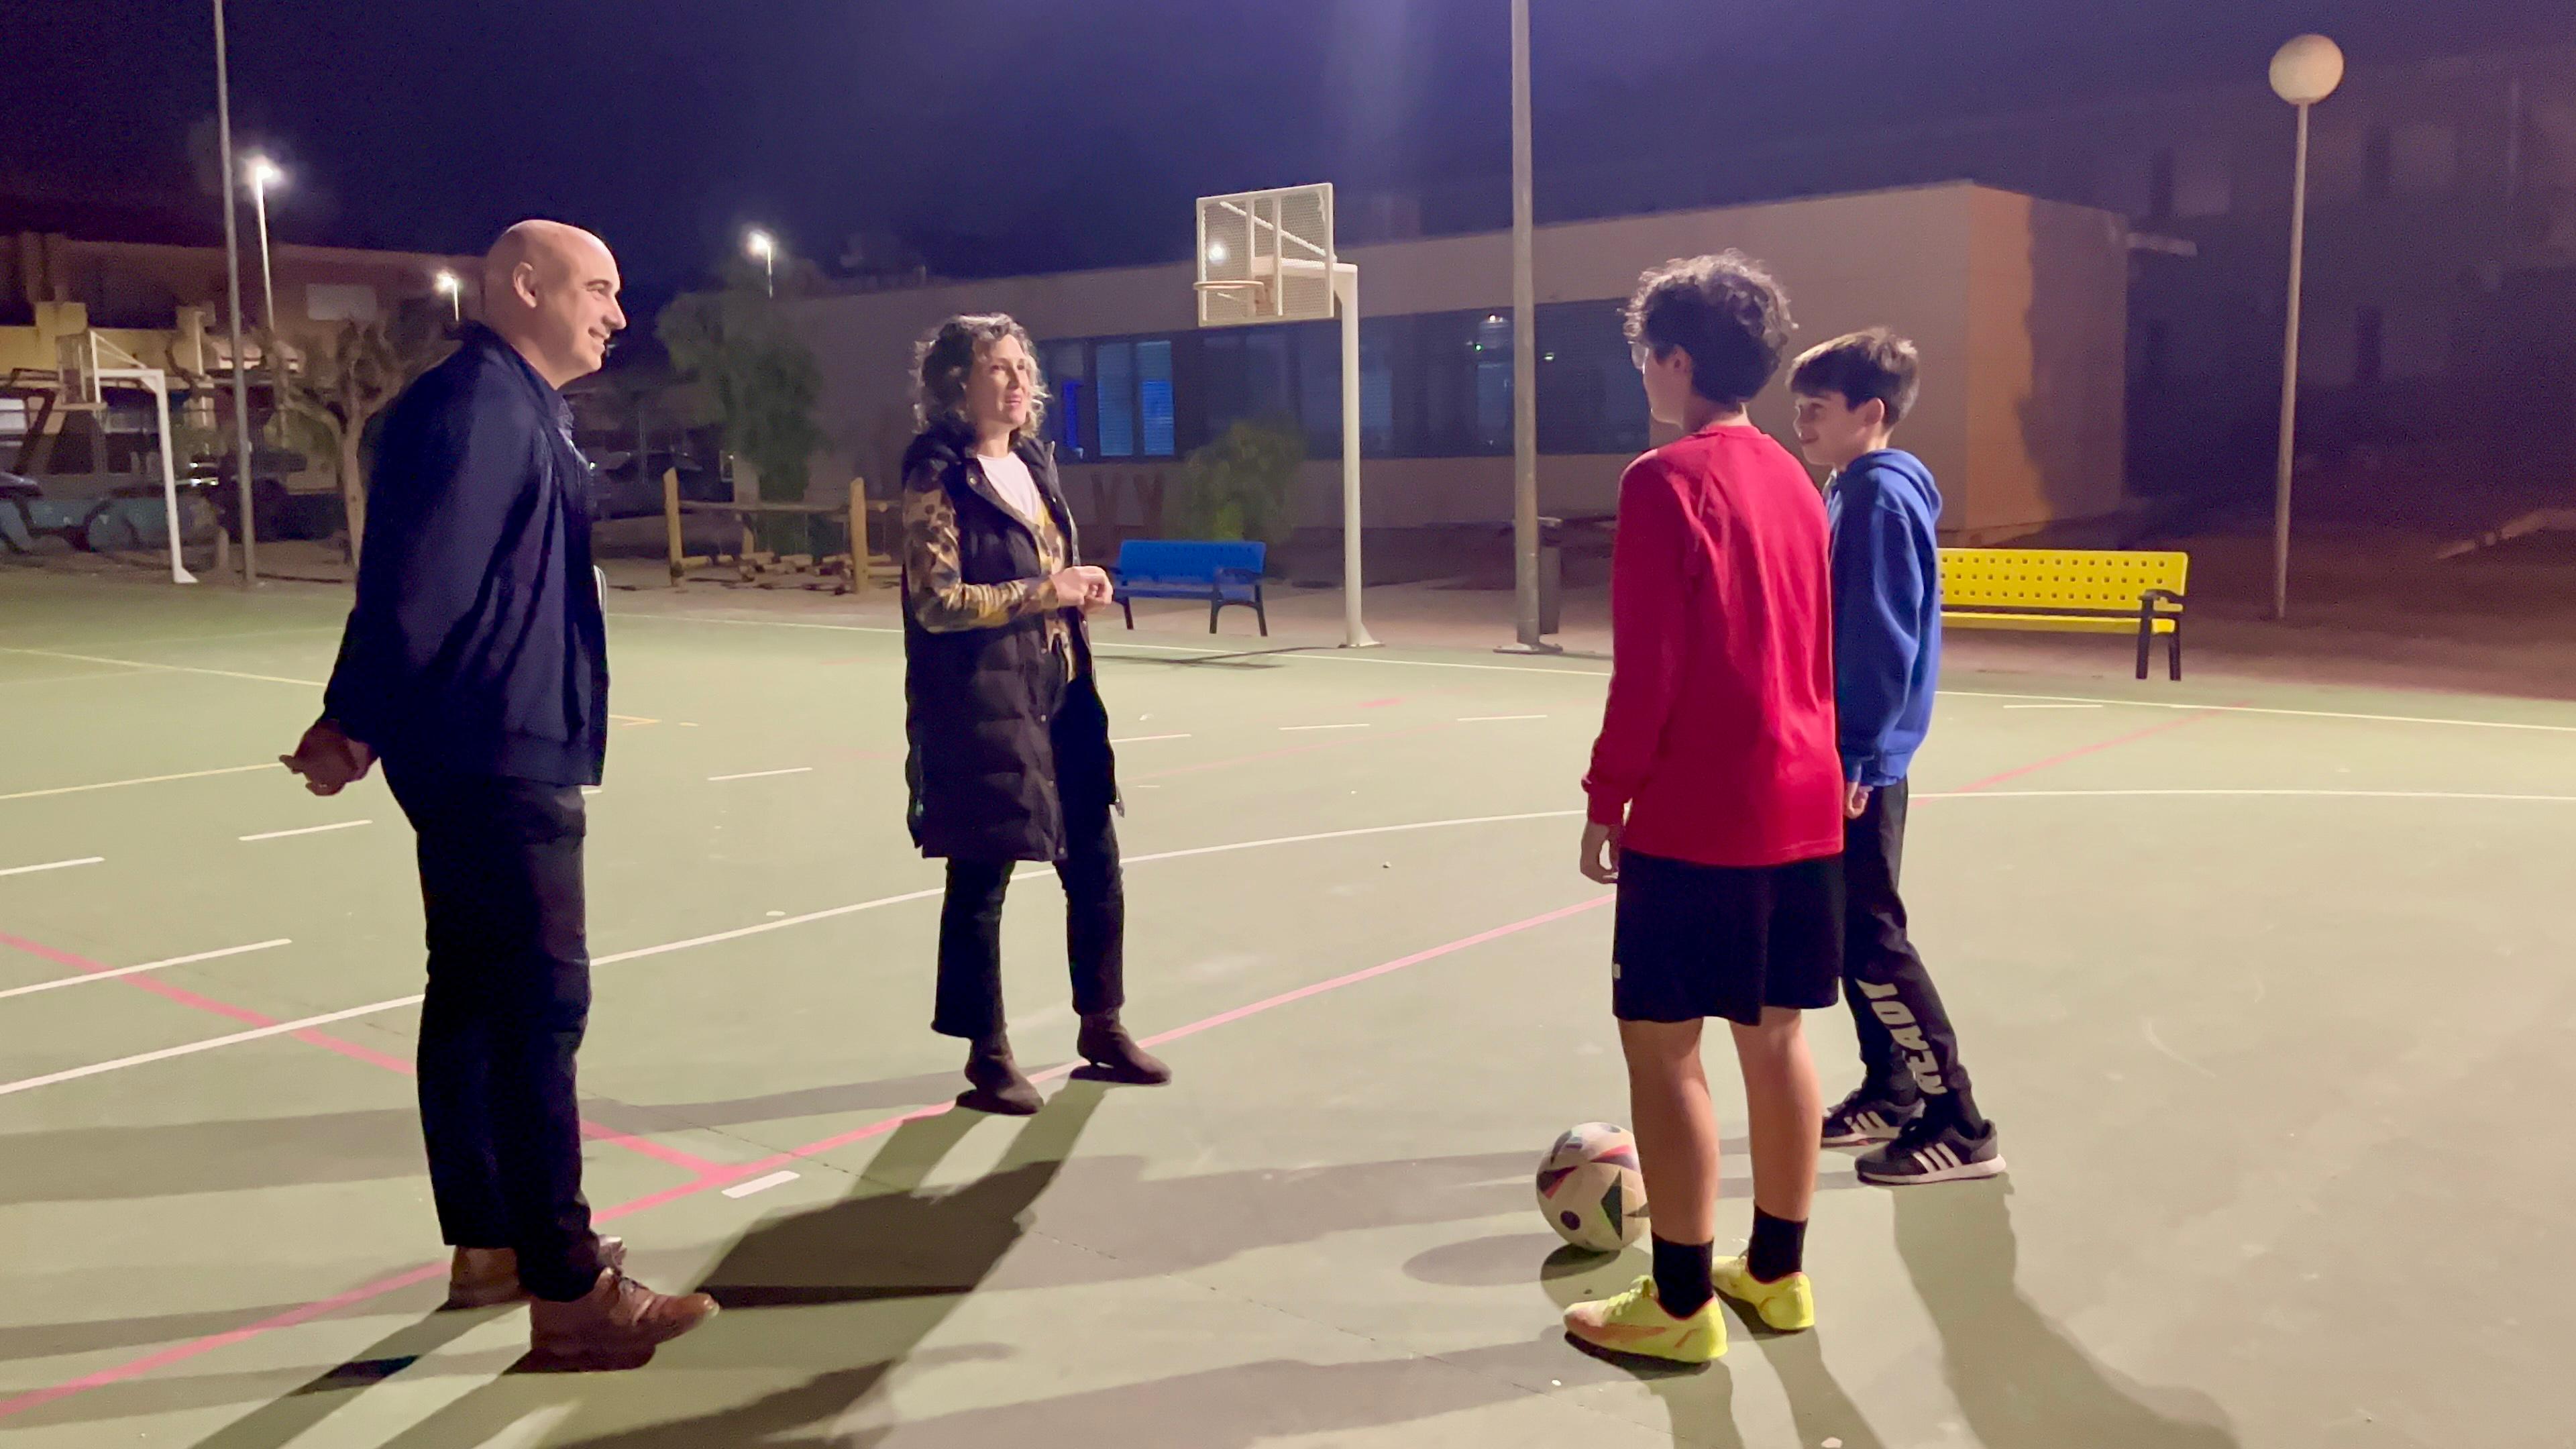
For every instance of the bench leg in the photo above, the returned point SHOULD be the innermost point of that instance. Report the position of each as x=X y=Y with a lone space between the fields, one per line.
x=1216 y=610
x=1129 y=605
x=2173 y=650
x=1261 y=611
x=2146 y=640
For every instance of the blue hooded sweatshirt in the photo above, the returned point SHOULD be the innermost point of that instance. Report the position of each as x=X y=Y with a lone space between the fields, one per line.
x=1887 y=611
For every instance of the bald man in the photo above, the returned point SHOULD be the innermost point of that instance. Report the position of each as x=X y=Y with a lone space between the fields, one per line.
x=475 y=666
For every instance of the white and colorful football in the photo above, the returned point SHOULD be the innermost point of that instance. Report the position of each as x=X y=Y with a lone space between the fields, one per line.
x=1591 y=1190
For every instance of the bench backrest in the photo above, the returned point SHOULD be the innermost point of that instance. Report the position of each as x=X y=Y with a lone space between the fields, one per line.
x=1172 y=560
x=2056 y=578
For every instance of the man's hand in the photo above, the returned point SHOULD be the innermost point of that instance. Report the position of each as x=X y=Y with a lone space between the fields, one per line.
x=1601 y=853
x=1085 y=588
x=1855 y=801
x=328 y=760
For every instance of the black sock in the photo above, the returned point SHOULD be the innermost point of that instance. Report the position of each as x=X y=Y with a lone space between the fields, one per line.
x=1682 y=1276
x=1779 y=1248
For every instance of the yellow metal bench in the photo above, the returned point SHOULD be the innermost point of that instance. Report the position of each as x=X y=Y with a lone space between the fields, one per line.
x=2089 y=591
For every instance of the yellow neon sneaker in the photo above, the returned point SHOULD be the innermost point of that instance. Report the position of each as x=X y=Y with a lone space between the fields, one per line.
x=1787 y=1306
x=1635 y=1323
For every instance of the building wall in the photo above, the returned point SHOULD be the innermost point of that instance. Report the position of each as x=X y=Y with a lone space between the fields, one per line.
x=1910 y=259
x=2047 y=346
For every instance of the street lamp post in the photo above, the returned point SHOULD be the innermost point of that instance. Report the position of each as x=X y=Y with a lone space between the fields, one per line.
x=452 y=288
x=263 y=174
x=232 y=284
x=2304 y=72
x=764 y=248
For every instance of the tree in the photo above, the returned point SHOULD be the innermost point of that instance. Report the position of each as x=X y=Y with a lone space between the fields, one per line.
x=334 y=388
x=1242 y=486
x=760 y=379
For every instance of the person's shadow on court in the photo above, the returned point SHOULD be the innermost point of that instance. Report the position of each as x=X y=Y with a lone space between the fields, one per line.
x=897 y=1260
x=2023 y=1383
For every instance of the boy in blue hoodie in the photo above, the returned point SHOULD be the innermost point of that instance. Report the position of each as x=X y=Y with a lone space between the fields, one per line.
x=1882 y=505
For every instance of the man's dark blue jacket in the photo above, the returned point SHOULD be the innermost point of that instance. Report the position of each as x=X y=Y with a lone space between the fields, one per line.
x=477 y=646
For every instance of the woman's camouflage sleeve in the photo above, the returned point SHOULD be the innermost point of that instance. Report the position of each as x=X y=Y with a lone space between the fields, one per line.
x=943 y=602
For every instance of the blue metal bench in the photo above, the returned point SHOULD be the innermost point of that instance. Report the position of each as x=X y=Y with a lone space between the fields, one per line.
x=1221 y=573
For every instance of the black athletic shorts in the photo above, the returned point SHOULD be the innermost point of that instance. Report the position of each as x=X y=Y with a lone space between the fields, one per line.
x=1695 y=941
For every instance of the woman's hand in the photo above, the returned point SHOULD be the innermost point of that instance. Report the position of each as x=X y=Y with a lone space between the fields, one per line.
x=1084 y=588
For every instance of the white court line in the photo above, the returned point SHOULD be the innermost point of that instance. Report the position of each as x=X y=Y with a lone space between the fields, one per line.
x=144 y=780
x=1323 y=655
x=168 y=639
x=1498 y=718
x=70 y=678
x=760 y=774
x=399 y=1002
x=628 y=719
x=54 y=865
x=137 y=970
x=283 y=1028
x=1112 y=648
x=2053 y=706
x=2482 y=724
x=156 y=664
x=1147 y=739
x=1305 y=729
x=307 y=830
x=761 y=1184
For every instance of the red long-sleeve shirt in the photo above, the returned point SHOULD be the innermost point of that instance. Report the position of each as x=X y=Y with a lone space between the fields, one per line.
x=1717 y=744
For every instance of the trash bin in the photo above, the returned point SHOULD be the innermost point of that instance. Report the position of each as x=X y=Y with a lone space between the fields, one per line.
x=1551 y=574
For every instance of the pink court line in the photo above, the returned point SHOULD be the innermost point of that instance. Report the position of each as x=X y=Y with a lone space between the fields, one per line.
x=687 y=1162
x=2082 y=751
x=719 y=1178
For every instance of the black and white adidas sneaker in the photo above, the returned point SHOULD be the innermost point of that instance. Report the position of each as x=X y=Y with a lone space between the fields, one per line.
x=1930 y=1150
x=1868 y=1115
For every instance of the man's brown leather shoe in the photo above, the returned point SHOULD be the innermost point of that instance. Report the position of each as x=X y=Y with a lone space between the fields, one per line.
x=617 y=1326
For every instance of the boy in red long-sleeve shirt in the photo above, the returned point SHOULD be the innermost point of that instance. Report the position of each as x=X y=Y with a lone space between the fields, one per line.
x=1717 y=805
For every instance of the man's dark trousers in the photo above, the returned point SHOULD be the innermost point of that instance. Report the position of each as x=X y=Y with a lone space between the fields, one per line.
x=508 y=1000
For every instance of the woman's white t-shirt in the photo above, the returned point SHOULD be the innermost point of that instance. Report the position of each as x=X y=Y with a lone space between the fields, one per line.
x=1010 y=478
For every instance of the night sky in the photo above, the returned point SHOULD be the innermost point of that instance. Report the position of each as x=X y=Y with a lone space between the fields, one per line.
x=1010 y=135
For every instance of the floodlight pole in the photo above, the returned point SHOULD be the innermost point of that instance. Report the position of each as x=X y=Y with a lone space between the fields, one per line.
x=2287 y=457
x=232 y=282
x=1346 y=294
x=1525 y=539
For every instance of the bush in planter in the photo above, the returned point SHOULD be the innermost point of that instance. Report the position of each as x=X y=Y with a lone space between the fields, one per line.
x=1243 y=486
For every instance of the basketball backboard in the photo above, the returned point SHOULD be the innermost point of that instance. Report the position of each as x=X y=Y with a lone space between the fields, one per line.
x=1266 y=256
x=76 y=364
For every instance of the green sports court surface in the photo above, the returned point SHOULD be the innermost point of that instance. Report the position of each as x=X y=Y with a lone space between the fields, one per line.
x=2268 y=986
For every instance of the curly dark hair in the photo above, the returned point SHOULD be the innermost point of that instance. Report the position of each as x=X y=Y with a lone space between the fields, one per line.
x=941 y=360
x=1860 y=366
x=1725 y=311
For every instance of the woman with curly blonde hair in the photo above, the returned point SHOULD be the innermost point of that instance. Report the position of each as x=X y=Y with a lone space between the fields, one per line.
x=1010 y=757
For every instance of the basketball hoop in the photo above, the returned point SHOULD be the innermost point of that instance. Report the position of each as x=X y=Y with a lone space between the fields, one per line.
x=1232 y=301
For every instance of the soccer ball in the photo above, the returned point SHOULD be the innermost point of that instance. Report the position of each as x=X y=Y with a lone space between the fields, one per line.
x=1591 y=1190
